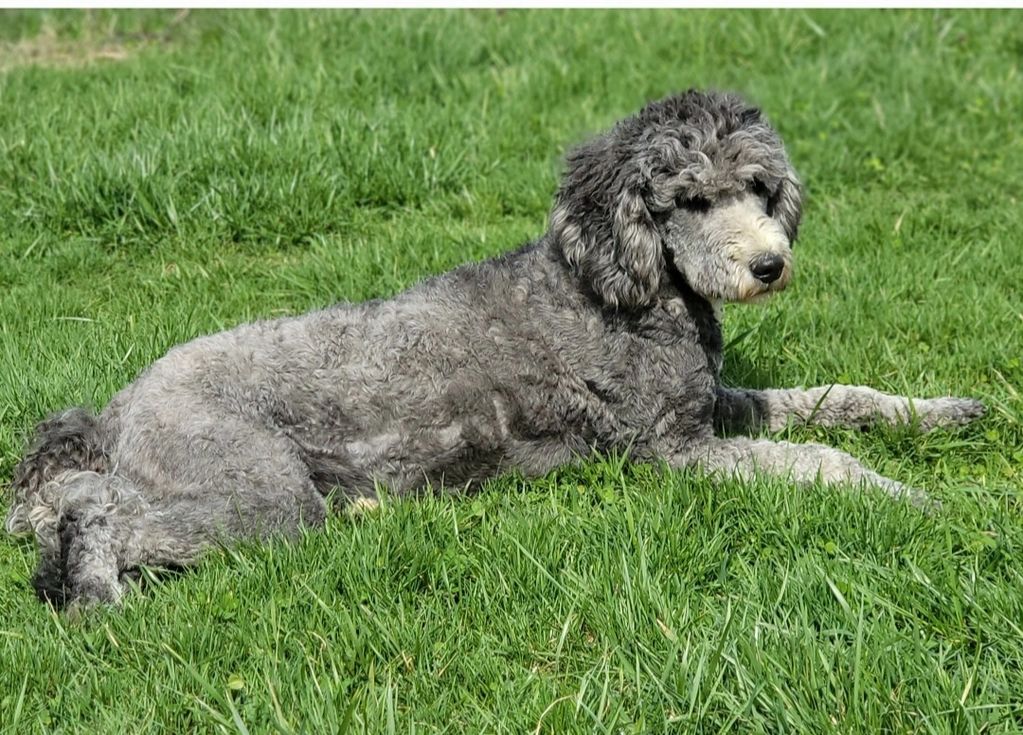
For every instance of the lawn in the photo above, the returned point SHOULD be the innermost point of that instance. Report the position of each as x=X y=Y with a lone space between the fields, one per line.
x=165 y=175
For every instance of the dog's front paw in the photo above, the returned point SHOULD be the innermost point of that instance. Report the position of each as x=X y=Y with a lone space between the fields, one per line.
x=935 y=412
x=916 y=497
x=919 y=499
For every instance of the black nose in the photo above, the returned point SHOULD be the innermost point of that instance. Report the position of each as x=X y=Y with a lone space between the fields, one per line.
x=767 y=268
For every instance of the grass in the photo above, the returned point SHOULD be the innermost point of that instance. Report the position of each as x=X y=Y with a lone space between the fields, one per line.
x=164 y=175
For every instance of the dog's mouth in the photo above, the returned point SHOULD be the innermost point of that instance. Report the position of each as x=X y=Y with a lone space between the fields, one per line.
x=758 y=297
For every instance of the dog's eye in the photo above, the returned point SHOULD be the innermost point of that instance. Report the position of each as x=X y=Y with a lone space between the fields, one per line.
x=692 y=203
x=759 y=188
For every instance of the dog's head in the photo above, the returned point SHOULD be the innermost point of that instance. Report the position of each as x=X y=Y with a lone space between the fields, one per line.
x=698 y=182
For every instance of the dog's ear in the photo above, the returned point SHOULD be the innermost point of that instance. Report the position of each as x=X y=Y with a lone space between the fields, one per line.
x=788 y=204
x=604 y=227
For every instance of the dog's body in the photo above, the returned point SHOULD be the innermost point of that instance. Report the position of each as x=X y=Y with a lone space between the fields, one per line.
x=602 y=335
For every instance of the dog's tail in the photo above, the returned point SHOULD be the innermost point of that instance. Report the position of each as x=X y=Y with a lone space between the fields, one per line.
x=71 y=440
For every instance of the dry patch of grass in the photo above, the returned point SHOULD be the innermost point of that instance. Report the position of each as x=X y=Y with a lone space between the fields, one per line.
x=48 y=48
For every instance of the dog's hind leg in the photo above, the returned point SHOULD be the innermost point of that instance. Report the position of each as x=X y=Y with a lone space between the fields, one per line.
x=80 y=522
x=197 y=491
x=117 y=529
x=740 y=410
x=800 y=463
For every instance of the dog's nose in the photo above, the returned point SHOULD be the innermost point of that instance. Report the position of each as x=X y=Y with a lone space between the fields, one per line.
x=767 y=268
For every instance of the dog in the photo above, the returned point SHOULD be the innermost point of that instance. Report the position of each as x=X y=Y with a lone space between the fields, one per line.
x=602 y=335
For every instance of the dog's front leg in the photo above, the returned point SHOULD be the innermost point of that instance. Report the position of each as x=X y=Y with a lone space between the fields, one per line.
x=799 y=463
x=739 y=410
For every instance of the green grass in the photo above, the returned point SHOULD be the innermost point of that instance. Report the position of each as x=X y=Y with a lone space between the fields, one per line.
x=163 y=176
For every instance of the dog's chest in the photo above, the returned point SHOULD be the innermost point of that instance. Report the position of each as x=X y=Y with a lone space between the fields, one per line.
x=676 y=367
x=658 y=379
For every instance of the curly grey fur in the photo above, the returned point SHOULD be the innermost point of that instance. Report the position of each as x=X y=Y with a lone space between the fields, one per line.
x=603 y=335
x=68 y=440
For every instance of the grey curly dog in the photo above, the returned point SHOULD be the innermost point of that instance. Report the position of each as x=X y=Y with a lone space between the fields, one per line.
x=604 y=334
